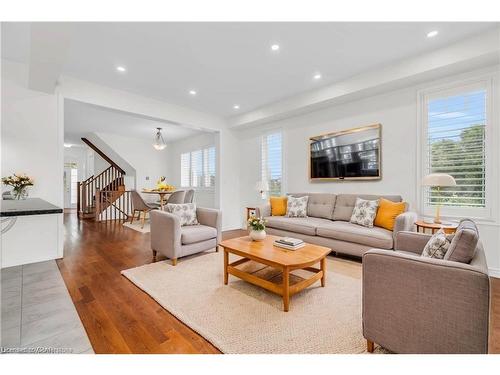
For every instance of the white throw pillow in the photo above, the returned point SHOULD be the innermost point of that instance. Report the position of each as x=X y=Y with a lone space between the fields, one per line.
x=364 y=212
x=296 y=207
x=437 y=246
x=185 y=211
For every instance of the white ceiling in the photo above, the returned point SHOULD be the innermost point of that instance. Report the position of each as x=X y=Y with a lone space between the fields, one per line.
x=81 y=118
x=231 y=63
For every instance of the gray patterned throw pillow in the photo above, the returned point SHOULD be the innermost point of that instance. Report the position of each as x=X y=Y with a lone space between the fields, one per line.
x=296 y=207
x=185 y=211
x=364 y=212
x=437 y=246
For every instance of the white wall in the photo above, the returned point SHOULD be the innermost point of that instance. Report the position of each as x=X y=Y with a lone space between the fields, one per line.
x=31 y=136
x=397 y=112
x=32 y=143
x=203 y=197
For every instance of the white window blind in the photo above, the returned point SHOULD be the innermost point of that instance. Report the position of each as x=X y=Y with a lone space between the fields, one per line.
x=272 y=162
x=456 y=145
x=186 y=169
x=198 y=168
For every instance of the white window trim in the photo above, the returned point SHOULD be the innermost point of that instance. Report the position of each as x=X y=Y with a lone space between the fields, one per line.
x=485 y=81
x=200 y=188
x=283 y=158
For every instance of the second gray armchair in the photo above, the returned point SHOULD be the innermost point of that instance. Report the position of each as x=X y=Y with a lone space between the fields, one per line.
x=175 y=241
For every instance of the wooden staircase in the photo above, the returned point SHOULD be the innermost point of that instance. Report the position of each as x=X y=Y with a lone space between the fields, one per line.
x=98 y=193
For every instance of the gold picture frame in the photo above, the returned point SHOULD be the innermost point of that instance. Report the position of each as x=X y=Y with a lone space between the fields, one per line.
x=325 y=136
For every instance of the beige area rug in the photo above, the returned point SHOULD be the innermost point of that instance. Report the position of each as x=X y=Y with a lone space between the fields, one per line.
x=242 y=318
x=136 y=225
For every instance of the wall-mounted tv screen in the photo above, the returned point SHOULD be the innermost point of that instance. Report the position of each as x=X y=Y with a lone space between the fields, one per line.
x=349 y=154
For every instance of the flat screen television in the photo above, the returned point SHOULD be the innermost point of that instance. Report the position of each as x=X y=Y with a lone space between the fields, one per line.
x=346 y=155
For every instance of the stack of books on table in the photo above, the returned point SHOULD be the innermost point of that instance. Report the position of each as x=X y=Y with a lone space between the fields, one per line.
x=289 y=243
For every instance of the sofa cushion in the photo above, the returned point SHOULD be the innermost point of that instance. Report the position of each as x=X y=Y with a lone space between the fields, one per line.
x=197 y=233
x=464 y=242
x=278 y=205
x=344 y=204
x=304 y=225
x=387 y=213
x=437 y=246
x=319 y=204
x=345 y=231
x=297 y=206
x=364 y=212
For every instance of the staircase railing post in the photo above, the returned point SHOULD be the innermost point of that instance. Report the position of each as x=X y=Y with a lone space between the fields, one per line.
x=97 y=204
x=78 y=192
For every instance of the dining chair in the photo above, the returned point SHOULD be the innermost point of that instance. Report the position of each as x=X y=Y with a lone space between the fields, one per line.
x=188 y=198
x=138 y=204
x=176 y=197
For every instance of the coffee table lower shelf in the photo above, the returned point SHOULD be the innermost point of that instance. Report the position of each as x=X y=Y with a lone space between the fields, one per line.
x=286 y=288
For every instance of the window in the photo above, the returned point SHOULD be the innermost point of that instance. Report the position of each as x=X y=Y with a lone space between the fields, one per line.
x=198 y=168
x=455 y=143
x=272 y=162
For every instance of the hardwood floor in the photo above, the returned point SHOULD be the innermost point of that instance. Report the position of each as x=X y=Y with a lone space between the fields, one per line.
x=119 y=317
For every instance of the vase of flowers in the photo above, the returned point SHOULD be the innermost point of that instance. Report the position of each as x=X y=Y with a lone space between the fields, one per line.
x=257 y=228
x=19 y=183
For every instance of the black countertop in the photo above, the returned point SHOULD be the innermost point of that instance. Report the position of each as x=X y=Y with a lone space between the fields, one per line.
x=30 y=206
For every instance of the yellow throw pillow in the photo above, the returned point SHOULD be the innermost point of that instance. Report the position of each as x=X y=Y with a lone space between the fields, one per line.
x=387 y=213
x=278 y=206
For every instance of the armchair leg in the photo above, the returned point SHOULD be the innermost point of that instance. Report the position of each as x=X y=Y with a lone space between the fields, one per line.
x=370 y=346
x=132 y=217
x=174 y=261
x=154 y=256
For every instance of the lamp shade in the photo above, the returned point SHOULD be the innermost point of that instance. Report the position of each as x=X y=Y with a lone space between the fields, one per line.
x=261 y=186
x=438 y=179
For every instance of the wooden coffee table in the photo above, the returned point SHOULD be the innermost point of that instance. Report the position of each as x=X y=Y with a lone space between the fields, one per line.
x=265 y=252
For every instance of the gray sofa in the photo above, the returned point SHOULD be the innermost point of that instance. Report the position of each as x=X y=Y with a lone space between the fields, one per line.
x=413 y=304
x=328 y=224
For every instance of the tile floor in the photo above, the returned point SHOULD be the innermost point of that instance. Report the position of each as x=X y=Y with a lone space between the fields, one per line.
x=37 y=310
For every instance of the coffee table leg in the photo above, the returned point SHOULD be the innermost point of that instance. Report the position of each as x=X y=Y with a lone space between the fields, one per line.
x=286 y=288
x=323 y=268
x=226 y=261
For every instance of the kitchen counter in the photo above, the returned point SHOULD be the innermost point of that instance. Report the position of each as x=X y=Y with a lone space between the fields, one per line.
x=30 y=206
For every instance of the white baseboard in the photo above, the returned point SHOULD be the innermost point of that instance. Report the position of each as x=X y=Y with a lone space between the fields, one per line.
x=494 y=272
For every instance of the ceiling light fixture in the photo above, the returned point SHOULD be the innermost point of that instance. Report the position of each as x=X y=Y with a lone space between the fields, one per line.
x=192 y=92
x=236 y=106
x=317 y=76
x=67 y=145
x=121 y=69
x=159 y=143
x=432 y=34
x=275 y=47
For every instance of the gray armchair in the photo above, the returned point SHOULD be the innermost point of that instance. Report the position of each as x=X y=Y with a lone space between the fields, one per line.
x=139 y=205
x=414 y=304
x=175 y=241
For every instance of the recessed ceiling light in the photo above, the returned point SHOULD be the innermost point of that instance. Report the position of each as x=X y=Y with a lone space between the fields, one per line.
x=432 y=34
x=275 y=47
x=121 y=69
x=192 y=92
x=317 y=76
x=68 y=145
x=236 y=106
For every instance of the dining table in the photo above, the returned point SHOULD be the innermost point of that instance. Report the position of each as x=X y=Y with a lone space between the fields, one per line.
x=163 y=194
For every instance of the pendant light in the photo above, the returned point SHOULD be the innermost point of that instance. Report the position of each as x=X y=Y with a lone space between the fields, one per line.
x=159 y=141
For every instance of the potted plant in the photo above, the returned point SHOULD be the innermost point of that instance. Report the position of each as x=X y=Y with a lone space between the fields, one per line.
x=257 y=228
x=19 y=183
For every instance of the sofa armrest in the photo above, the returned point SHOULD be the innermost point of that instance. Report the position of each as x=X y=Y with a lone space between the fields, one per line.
x=263 y=210
x=413 y=304
x=212 y=218
x=165 y=233
x=404 y=222
x=411 y=241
